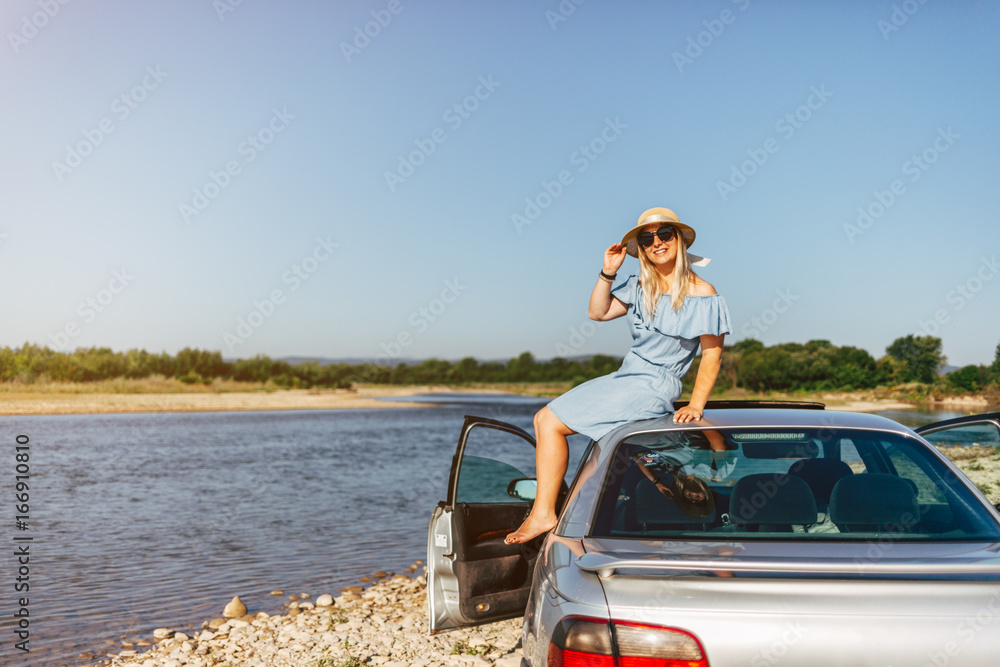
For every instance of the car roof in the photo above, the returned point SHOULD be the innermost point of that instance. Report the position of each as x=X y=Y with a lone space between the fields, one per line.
x=764 y=418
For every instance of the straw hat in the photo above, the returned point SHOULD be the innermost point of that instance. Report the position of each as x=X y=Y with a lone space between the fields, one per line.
x=663 y=216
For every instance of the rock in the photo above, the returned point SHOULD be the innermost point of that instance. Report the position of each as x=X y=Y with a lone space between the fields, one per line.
x=277 y=592
x=181 y=636
x=366 y=579
x=304 y=596
x=162 y=633
x=234 y=608
x=352 y=589
x=215 y=623
x=324 y=600
x=381 y=574
x=294 y=611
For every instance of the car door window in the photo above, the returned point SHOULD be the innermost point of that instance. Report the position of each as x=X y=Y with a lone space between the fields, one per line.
x=491 y=461
x=971 y=435
x=483 y=480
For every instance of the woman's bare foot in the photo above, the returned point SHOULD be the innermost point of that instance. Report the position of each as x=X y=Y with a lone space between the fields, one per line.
x=532 y=527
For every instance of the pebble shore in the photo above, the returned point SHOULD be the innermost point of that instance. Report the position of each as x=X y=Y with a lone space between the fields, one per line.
x=384 y=625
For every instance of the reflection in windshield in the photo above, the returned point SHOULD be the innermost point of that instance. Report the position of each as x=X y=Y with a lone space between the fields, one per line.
x=803 y=483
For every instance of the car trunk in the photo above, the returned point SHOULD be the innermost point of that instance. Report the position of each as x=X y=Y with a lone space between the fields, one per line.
x=771 y=617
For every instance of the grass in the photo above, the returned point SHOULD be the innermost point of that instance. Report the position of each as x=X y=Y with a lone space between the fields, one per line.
x=337 y=616
x=350 y=661
x=461 y=648
x=156 y=384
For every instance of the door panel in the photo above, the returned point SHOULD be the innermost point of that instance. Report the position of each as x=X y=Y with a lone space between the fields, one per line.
x=473 y=577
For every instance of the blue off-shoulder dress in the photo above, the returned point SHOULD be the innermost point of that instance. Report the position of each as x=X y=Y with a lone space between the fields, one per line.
x=649 y=380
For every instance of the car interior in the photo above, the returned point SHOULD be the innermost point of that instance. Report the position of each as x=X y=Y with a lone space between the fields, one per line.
x=783 y=484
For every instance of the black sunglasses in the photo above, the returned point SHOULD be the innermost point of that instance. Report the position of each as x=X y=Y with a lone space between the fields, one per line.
x=646 y=238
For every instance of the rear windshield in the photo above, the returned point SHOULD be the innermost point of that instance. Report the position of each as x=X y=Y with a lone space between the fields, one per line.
x=811 y=484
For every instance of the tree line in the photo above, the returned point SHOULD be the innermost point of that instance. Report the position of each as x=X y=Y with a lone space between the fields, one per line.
x=817 y=365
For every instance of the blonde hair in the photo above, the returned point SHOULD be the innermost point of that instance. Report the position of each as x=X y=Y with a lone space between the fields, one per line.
x=649 y=279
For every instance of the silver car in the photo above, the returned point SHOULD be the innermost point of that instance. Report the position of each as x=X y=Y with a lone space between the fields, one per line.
x=760 y=535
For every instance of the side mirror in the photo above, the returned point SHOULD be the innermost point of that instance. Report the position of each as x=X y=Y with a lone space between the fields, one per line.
x=522 y=489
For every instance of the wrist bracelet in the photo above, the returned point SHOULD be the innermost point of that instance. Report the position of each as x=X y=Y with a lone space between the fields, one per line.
x=606 y=278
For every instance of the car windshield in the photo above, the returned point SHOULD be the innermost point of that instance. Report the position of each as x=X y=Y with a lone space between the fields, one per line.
x=802 y=484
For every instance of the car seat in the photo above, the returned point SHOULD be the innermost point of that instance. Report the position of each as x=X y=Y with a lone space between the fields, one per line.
x=874 y=502
x=772 y=502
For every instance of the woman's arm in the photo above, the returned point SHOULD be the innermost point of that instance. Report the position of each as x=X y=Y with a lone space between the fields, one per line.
x=603 y=306
x=708 y=371
x=651 y=476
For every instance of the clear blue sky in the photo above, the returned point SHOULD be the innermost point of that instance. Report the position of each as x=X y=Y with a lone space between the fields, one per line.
x=204 y=151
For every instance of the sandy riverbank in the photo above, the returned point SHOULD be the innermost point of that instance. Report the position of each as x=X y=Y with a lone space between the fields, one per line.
x=58 y=403
x=861 y=402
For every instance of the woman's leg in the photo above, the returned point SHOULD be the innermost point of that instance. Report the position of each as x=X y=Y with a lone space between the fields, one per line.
x=551 y=456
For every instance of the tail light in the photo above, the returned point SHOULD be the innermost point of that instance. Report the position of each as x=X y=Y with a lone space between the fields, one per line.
x=591 y=642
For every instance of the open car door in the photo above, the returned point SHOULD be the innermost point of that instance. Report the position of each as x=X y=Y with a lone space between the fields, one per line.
x=970 y=431
x=472 y=576
x=981 y=429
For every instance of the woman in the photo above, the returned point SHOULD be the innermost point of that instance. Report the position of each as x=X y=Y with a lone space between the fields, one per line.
x=672 y=311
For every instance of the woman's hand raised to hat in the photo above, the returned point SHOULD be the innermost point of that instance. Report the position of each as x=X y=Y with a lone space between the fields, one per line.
x=614 y=256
